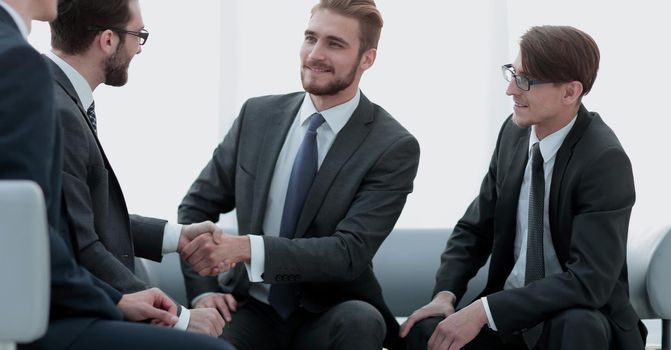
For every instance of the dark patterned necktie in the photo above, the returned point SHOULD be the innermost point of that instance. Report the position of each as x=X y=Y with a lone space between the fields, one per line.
x=283 y=297
x=535 y=266
x=91 y=114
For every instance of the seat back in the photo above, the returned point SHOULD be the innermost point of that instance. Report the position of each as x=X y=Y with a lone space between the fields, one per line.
x=24 y=271
x=649 y=262
x=406 y=266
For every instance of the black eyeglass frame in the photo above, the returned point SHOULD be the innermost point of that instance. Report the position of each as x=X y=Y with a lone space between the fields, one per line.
x=520 y=79
x=143 y=34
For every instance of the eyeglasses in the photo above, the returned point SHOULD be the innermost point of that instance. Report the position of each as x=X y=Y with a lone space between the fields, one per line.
x=143 y=34
x=521 y=81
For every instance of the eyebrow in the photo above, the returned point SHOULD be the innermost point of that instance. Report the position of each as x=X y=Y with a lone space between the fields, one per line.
x=329 y=37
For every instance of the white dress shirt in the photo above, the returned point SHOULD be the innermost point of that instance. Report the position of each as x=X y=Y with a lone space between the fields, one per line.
x=548 y=147
x=171 y=232
x=336 y=118
x=23 y=26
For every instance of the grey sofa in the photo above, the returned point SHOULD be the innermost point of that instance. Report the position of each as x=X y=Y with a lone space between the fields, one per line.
x=407 y=262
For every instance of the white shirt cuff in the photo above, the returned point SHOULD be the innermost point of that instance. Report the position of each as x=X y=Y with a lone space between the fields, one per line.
x=490 y=320
x=171 y=234
x=257 y=263
x=183 y=321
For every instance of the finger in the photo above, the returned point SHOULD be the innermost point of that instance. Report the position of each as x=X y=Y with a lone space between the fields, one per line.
x=158 y=323
x=202 y=302
x=220 y=325
x=159 y=315
x=223 y=309
x=202 y=267
x=197 y=259
x=406 y=327
x=232 y=303
x=456 y=345
x=435 y=339
x=194 y=246
x=167 y=304
x=447 y=344
x=217 y=234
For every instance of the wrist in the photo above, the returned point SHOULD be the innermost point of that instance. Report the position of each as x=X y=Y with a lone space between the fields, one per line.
x=243 y=249
x=445 y=297
x=482 y=314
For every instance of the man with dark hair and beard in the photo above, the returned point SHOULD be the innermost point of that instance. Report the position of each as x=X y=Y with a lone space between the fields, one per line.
x=93 y=43
x=318 y=179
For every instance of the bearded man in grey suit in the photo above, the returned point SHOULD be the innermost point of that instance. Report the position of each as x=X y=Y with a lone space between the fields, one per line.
x=318 y=179
x=93 y=43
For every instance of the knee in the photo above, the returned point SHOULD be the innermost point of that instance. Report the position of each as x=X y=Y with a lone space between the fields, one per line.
x=419 y=334
x=359 y=317
x=581 y=321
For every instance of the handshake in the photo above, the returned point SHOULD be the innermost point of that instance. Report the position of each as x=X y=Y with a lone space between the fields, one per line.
x=209 y=250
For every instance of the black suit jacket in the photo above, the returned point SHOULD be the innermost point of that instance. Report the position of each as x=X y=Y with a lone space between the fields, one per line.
x=354 y=202
x=106 y=237
x=591 y=197
x=31 y=149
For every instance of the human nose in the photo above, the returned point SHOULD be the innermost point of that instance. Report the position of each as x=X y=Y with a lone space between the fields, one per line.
x=316 y=52
x=512 y=88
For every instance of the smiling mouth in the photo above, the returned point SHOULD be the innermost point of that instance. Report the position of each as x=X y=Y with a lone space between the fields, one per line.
x=318 y=69
x=520 y=105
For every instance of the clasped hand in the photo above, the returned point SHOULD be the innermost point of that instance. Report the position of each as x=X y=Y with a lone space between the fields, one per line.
x=209 y=250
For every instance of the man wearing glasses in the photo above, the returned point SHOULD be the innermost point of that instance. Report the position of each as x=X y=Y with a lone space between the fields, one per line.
x=553 y=213
x=93 y=43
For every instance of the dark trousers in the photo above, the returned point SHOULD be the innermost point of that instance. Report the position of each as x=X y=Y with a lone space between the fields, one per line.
x=569 y=330
x=115 y=335
x=350 y=325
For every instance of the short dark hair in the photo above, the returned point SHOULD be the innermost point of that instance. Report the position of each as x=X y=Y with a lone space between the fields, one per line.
x=73 y=30
x=364 y=11
x=560 y=54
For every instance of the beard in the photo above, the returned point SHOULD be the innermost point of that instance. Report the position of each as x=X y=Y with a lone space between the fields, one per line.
x=520 y=122
x=331 y=88
x=116 y=68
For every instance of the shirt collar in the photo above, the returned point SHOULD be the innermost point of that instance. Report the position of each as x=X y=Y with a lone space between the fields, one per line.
x=23 y=26
x=336 y=117
x=82 y=87
x=550 y=144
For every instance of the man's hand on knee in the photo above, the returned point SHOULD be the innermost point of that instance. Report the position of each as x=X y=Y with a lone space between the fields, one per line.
x=206 y=321
x=459 y=328
x=225 y=303
x=441 y=305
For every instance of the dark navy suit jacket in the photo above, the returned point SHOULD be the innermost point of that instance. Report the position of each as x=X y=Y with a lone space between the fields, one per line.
x=31 y=149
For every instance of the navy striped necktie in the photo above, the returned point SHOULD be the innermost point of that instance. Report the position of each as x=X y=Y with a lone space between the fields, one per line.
x=283 y=297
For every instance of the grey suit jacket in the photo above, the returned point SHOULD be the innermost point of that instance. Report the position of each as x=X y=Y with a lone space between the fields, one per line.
x=590 y=202
x=352 y=206
x=106 y=237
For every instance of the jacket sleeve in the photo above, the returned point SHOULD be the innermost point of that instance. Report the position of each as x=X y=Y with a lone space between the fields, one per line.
x=210 y=195
x=77 y=175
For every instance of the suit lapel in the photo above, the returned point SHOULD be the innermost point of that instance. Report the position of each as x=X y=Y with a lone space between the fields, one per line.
x=63 y=81
x=506 y=209
x=345 y=144
x=9 y=21
x=65 y=84
x=280 y=120
x=561 y=162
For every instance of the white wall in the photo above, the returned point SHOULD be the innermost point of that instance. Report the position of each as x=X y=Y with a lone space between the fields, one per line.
x=161 y=128
x=631 y=92
x=437 y=72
